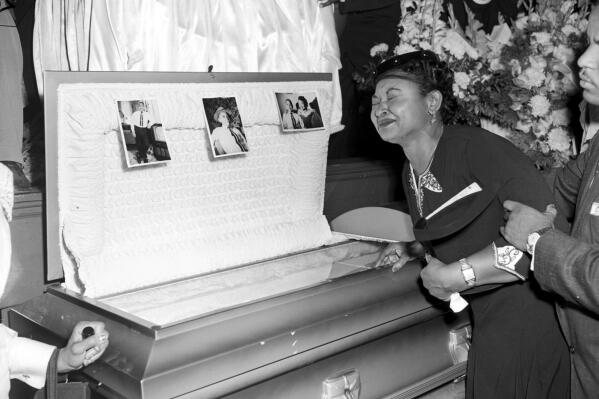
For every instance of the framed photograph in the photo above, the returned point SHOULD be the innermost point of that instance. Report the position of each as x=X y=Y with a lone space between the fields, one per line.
x=225 y=129
x=299 y=111
x=142 y=133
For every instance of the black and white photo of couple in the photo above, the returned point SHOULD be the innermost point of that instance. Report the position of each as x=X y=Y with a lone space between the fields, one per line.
x=299 y=111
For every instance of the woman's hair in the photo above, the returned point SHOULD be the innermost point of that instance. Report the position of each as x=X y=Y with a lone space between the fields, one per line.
x=428 y=71
x=302 y=99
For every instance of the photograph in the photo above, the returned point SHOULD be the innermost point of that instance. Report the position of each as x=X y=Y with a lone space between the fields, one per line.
x=142 y=133
x=225 y=128
x=299 y=111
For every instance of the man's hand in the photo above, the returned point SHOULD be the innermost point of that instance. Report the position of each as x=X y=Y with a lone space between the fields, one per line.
x=441 y=280
x=80 y=352
x=523 y=220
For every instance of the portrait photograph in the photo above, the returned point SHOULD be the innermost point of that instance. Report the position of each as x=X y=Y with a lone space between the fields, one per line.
x=225 y=129
x=299 y=111
x=142 y=134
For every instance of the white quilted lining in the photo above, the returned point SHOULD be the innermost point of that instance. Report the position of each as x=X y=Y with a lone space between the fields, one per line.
x=123 y=229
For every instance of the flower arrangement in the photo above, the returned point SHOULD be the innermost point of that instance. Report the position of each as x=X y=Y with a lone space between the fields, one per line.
x=516 y=81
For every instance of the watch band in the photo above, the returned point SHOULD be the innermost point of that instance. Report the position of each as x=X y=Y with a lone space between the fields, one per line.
x=467 y=272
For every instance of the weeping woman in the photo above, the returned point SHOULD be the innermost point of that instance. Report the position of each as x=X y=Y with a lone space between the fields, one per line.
x=456 y=179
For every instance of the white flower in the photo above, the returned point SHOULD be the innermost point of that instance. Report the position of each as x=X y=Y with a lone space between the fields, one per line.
x=379 y=48
x=541 y=127
x=424 y=45
x=524 y=126
x=533 y=17
x=532 y=77
x=564 y=54
x=516 y=106
x=403 y=48
x=567 y=7
x=500 y=34
x=539 y=105
x=542 y=37
x=521 y=22
x=458 y=46
x=569 y=29
x=559 y=140
x=495 y=64
x=516 y=67
x=560 y=117
x=462 y=79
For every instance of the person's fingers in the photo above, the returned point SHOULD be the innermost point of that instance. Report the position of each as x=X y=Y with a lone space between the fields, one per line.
x=551 y=210
x=388 y=252
x=510 y=205
x=400 y=263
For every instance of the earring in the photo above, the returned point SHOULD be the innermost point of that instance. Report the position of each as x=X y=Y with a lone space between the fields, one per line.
x=433 y=119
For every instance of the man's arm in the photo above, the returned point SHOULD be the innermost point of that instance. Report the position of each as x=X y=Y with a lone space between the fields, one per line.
x=569 y=268
x=562 y=264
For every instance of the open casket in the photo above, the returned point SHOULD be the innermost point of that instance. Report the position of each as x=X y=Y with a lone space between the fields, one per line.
x=220 y=277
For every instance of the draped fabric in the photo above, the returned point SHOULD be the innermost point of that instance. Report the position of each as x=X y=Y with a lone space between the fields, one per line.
x=187 y=36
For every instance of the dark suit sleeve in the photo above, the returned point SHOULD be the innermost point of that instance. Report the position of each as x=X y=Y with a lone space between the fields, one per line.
x=569 y=268
x=568 y=179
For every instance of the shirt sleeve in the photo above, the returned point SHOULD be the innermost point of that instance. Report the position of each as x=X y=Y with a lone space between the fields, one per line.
x=495 y=161
x=28 y=360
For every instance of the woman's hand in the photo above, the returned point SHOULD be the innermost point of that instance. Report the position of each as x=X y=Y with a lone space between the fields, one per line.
x=442 y=280
x=80 y=352
x=399 y=253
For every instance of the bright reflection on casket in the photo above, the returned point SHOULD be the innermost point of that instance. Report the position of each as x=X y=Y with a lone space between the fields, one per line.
x=181 y=300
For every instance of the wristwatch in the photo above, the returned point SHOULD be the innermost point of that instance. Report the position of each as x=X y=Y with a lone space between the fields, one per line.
x=533 y=237
x=467 y=272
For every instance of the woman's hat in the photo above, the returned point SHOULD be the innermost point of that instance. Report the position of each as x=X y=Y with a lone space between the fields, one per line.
x=420 y=58
x=218 y=111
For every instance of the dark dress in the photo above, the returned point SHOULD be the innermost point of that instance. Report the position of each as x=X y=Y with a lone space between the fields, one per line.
x=517 y=348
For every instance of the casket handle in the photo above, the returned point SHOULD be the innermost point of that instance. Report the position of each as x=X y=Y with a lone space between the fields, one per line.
x=342 y=385
x=459 y=343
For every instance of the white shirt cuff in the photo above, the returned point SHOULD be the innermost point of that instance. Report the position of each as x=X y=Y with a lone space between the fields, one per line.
x=28 y=361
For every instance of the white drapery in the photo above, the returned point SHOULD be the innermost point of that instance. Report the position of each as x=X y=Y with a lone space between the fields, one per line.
x=187 y=36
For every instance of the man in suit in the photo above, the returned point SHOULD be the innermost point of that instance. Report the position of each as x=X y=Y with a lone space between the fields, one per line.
x=140 y=123
x=568 y=264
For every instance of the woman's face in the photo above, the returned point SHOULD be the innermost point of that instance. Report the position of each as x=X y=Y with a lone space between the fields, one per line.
x=398 y=109
x=223 y=119
x=288 y=105
x=302 y=104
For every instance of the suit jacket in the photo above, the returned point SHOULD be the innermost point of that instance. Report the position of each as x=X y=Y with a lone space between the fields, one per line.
x=568 y=265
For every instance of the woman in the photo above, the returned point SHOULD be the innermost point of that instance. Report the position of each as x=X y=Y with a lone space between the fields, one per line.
x=227 y=139
x=291 y=119
x=517 y=349
x=309 y=116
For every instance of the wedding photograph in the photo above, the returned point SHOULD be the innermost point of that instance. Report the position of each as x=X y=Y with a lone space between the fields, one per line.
x=225 y=129
x=299 y=111
x=142 y=134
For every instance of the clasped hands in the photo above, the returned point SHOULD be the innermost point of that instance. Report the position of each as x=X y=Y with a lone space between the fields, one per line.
x=80 y=352
x=442 y=280
x=521 y=220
